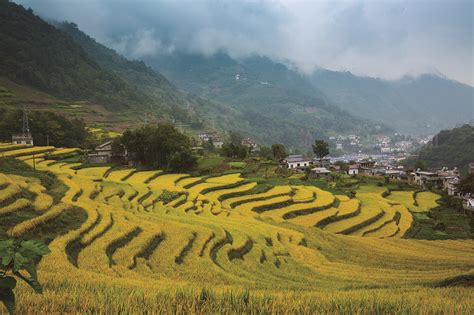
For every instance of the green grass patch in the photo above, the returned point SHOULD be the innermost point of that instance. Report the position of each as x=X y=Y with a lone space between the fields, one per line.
x=442 y=222
x=237 y=164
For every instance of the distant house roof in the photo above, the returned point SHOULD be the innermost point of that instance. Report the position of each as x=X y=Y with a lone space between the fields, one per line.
x=320 y=170
x=104 y=146
x=470 y=202
x=354 y=167
x=296 y=158
x=393 y=171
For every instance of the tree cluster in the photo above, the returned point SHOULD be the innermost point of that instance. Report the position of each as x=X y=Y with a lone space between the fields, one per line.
x=233 y=147
x=160 y=146
x=467 y=184
x=44 y=126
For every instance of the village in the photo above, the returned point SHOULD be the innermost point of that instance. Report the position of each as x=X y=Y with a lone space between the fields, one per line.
x=388 y=163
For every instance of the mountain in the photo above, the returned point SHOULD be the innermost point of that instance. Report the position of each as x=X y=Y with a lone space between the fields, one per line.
x=162 y=97
x=267 y=102
x=275 y=103
x=62 y=61
x=449 y=148
x=419 y=105
x=35 y=53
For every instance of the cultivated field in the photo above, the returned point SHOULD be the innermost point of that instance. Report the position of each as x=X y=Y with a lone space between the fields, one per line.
x=177 y=243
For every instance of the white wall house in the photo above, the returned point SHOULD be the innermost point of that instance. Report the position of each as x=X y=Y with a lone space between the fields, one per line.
x=353 y=169
x=296 y=162
x=25 y=139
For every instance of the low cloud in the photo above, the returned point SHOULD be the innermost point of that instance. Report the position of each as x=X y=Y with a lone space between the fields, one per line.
x=377 y=38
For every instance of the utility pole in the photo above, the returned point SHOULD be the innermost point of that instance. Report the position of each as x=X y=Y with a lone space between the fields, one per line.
x=47 y=140
x=26 y=124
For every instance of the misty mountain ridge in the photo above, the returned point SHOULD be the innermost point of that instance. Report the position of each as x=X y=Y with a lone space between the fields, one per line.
x=65 y=62
x=263 y=99
x=420 y=104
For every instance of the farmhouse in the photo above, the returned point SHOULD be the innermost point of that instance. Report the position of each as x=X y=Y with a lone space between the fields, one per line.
x=425 y=179
x=353 y=169
x=468 y=206
x=297 y=162
x=366 y=163
x=102 y=154
x=452 y=186
x=318 y=172
x=250 y=144
x=26 y=139
x=395 y=174
x=324 y=162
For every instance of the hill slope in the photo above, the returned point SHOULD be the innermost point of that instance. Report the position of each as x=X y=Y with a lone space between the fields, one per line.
x=162 y=97
x=422 y=105
x=274 y=102
x=451 y=148
x=34 y=53
x=68 y=64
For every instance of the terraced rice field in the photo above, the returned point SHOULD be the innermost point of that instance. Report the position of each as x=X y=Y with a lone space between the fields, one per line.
x=216 y=231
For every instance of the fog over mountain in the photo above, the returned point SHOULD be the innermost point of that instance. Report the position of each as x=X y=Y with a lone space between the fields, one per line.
x=387 y=40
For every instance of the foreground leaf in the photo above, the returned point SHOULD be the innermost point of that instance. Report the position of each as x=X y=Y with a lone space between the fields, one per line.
x=36 y=247
x=8 y=299
x=7 y=283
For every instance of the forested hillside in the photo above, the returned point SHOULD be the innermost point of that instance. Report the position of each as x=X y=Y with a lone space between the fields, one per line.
x=269 y=103
x=274 y=102
x=451 y=148
x=162 y=96
x=35 y=53
x=423 y=105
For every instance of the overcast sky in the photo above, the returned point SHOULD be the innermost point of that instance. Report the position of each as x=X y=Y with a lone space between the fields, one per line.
x=383 y=38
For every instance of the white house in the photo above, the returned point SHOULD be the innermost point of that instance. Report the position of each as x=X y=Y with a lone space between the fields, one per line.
x=296 y=162
x=218 y=144
x=353 y=169
x=320 y=172
x=102 y=154
x=26 y=139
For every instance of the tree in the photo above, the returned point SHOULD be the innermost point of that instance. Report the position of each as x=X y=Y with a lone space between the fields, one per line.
x=419 y=164
x=265 y=152
x=183 y=160
x=320 y=148
x=235 y=138
x=157 y=145
x=17 y=260
x=209 y=145
x=467 y=184
x=234 y=151
x=45 y=127
x=279 y=151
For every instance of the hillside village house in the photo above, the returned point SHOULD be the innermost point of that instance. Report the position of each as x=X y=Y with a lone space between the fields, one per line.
x=26 y=139
x=206 y=137
x=250 y=144
x=452 y=186
x=367 y=163
x=102 y=153
x=450 y=180
x=425 y=179
x=353 y=169
x=324 y=162
x=468 y=204
x=296 y=162
x=319 y=172
x=396 y=174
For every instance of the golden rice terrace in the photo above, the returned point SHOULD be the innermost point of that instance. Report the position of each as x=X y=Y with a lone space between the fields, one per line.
x=148 y=228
